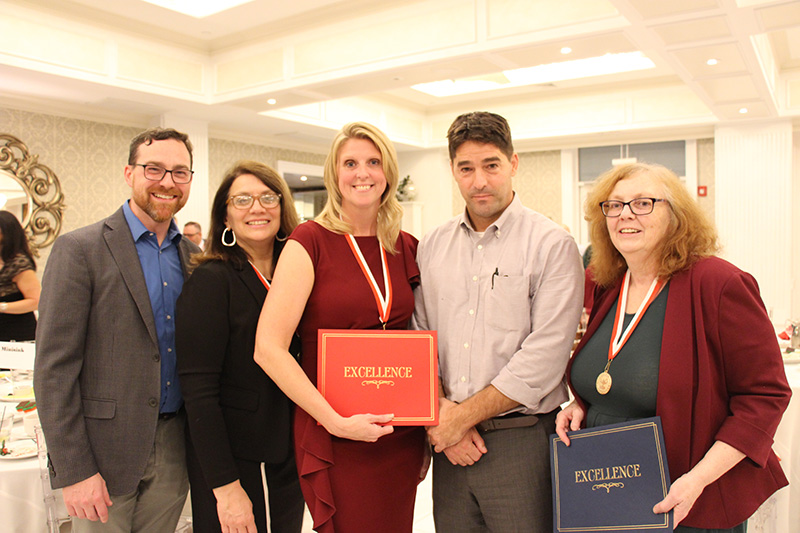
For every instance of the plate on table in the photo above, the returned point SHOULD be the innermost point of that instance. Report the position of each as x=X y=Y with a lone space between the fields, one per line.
x=20 y=449
x=24 y=392
x=791 y=358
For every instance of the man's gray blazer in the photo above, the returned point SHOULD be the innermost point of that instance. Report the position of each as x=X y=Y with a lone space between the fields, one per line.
x=98 y=372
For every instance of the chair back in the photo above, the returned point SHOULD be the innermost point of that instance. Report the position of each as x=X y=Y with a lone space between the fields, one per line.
x=53 y=502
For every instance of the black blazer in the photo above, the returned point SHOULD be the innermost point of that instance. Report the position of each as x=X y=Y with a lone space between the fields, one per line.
x=233 y=408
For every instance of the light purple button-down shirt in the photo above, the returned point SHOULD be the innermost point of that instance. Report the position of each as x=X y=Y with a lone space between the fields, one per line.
x=506 y=306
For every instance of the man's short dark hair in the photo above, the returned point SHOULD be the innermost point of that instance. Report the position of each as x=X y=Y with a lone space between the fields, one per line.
x=194 y=225
x=481 y=127
x=158 y=134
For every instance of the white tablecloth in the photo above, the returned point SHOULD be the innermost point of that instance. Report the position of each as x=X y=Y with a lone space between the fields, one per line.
x=21 y=500
x=781 y=513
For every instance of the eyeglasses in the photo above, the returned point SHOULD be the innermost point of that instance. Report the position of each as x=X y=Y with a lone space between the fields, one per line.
x=157 y=173
x=245 y=201
x=638 y=206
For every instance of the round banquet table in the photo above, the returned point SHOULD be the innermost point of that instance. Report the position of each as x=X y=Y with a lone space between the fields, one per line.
x=779 y=514
x=21 y=499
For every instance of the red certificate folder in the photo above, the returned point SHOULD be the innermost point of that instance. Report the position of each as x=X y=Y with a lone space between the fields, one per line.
x=380 y=371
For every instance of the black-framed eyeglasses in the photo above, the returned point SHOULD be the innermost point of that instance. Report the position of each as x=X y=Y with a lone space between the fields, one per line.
x=157 y=173
x=245 y=201
x=638 y=206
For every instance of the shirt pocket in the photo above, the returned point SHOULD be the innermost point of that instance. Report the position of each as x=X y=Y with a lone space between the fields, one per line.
x=508 y=306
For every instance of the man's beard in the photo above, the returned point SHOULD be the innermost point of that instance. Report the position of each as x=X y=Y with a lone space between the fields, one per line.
x=159 y=213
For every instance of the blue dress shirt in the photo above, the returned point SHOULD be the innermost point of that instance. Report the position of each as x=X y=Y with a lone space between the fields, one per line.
x=163 y=275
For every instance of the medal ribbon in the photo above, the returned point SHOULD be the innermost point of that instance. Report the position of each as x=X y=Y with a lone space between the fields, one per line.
x=619 y=338
x=384 y=302
x=264 y=280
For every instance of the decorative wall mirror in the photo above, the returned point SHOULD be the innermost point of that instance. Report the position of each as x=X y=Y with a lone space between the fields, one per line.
x=31 y=191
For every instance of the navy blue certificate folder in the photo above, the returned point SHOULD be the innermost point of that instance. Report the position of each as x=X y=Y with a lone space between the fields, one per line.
x=609 y=478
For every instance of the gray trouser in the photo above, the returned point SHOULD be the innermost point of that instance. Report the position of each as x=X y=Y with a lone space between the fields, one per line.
x=508 y=490
x=157 y=503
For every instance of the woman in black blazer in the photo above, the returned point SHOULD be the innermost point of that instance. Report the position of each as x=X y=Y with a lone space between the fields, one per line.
x=239 y=421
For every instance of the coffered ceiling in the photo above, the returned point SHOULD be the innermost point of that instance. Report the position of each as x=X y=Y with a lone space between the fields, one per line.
x=327 y=62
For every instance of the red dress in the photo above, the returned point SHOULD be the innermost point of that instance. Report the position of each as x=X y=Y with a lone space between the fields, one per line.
x=353 y=485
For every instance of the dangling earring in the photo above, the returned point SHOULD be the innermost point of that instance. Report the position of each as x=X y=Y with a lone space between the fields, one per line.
x=277 y=238
x=228 y=244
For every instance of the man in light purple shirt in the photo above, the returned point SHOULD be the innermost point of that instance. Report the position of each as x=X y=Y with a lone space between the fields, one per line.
x=503 y=286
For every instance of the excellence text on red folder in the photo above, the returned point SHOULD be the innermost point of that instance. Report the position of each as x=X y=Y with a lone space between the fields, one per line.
x=378 y=371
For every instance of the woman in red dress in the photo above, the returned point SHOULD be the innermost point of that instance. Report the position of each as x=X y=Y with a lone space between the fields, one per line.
x=356 y=473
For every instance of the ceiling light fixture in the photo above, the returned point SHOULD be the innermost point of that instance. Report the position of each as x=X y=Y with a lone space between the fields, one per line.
x=711 y=62
x=198 y=8
x=303 y=178
x=272 y=101
x=566 y=50
x=566 y=70
x=743 y=110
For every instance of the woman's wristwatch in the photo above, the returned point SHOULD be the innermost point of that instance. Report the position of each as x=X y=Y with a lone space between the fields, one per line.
x=3 y=307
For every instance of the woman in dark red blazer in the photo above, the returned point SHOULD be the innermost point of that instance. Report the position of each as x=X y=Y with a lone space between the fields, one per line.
x=692 y=343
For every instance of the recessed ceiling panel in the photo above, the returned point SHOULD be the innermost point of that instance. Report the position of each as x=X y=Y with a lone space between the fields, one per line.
x=732 y=89
x=693 y=30
x=695 y=60
x=651 y=9
x=510 y=17
x=782 y=16
x=755 y=110
x=529 y=56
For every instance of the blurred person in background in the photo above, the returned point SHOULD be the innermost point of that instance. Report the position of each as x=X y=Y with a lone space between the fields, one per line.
x=193 y=232
x=19 y=286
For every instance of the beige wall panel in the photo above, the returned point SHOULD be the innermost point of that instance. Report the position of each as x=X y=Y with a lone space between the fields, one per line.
x=223 y=154
x=23 y=38
x=88 y=158
x=406 y=126
x=366 y=42
x=562 y=118
x=249 y=71
x=548 y=118
x=793 y=94
x=676 y=103
x=509 y=17
x=151 y=67
x=706 y=175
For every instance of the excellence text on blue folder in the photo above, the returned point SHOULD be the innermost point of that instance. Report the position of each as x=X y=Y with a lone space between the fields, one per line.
x=609 y=478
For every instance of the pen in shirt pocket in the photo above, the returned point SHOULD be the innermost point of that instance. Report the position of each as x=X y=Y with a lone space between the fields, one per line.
x=497 y=273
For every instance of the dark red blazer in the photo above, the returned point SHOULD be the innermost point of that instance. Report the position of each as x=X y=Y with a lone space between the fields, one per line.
x=721 y=377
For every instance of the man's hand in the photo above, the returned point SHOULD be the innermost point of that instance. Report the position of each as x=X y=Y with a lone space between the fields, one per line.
x=451 y=428
x=468 y=450
x=88 y=499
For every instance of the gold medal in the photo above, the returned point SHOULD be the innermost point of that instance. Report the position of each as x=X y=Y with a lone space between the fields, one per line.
x=618 y=337
x=603 y=383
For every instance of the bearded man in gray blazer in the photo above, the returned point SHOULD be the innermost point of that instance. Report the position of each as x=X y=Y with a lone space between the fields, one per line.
x=106 y=386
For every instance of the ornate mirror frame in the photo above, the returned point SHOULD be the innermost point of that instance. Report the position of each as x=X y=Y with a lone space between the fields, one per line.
x=43 y=214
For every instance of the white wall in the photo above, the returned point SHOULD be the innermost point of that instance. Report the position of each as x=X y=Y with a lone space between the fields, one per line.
x=430 y=171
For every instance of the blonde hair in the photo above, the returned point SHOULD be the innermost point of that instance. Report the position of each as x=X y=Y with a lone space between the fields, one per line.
x=390 y=212
x=690 y=236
